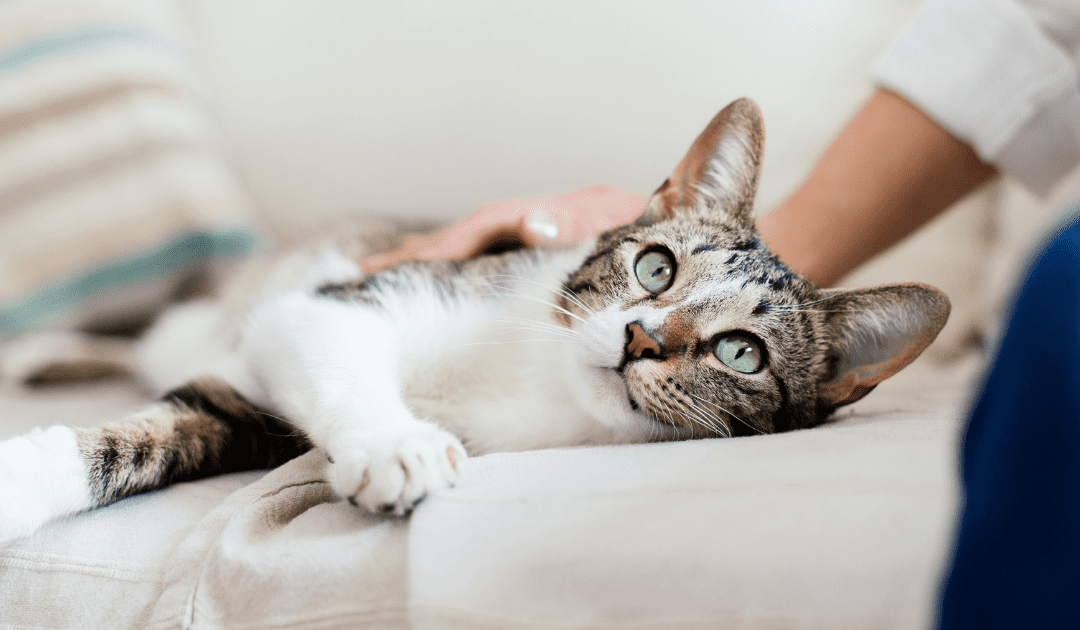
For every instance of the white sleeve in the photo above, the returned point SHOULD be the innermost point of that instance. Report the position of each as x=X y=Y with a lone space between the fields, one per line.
x=1002 y=75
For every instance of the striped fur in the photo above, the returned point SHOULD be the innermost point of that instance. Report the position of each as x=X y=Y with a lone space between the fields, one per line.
x=202 y=429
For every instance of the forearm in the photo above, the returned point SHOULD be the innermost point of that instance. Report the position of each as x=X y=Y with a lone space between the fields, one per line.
x=890 y=170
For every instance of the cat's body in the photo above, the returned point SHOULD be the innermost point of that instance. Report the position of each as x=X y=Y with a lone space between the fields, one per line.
x=680 y=325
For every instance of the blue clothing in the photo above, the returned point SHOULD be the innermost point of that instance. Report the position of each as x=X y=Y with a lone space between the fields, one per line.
x=1017 y=550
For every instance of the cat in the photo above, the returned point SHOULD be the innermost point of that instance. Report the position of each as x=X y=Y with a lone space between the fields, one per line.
x=679 y=325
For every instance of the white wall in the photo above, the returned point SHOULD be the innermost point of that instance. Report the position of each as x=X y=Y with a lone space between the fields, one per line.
x=429 y=107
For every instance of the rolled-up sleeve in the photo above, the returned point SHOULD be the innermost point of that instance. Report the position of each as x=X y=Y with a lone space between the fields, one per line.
x=999 y=74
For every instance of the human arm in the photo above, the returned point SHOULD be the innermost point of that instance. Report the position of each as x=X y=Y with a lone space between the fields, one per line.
x=889 y=170
x=968 y=84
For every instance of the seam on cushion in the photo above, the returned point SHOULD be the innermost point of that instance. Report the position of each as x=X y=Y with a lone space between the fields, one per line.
x=123 y=575
x=19 y=554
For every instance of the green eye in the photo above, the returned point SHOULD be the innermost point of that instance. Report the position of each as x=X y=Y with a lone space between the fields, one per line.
x=739 y=352
x=655 y=271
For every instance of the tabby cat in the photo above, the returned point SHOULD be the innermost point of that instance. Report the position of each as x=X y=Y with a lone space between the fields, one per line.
x=679 y=325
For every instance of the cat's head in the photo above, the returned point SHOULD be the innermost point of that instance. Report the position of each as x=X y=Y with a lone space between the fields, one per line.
x=689 y=322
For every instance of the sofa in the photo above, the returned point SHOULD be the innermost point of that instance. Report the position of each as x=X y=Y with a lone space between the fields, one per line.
x=262 y=122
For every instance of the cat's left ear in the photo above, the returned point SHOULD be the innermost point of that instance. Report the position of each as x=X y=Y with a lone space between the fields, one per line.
x=874 y=333
x=720 y=170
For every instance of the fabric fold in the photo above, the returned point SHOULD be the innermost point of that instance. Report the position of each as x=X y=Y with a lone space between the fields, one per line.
x=285 y=553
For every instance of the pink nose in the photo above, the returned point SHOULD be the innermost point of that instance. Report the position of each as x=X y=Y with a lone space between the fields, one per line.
x=641 y=345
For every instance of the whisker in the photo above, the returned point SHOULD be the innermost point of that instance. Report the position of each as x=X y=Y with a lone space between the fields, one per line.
x=747 y=424
x=537 y=325
x=539 y=363
x=556 y=332
x=511 y=291
x=711 y=420
x=561 y=290
x=693 y=417
x=499 y=343
x=522 y=294
x=576 y=299
x=727 y=425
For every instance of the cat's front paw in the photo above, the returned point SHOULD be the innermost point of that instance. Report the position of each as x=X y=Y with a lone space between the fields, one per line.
x=390 y=473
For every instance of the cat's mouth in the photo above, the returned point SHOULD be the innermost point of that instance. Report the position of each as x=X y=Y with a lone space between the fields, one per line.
x=639 y=407
x=620 y=370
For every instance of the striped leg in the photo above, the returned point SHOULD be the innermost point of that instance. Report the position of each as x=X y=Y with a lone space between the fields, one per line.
x=204 y=428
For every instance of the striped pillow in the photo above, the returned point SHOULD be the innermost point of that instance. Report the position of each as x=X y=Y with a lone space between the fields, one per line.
x=112 y=185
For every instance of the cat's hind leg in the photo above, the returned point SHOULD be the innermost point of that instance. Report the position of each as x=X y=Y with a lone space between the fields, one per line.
x=204 y=428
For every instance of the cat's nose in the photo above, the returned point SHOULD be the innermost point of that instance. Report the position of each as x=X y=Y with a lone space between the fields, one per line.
x=640 y=344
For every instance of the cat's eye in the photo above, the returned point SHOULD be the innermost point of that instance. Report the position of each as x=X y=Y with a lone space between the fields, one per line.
x=740 y=352
x=655 y=270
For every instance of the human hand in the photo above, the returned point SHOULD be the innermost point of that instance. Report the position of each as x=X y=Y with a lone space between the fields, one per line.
x=531 y=221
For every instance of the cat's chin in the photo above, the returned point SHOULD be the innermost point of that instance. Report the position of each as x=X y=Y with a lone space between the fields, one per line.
x=602 y=393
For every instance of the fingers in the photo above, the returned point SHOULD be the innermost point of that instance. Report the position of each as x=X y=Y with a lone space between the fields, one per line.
x=412 y=249
x=532 y=221
x=457 y=241
x=470 y=237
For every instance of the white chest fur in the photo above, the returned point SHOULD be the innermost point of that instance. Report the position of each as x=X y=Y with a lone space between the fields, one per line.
x=495 y=374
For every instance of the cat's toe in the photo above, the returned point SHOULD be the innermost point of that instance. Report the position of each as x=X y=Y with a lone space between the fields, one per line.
x=386 y=484
x=395 y=476
x=351 y=473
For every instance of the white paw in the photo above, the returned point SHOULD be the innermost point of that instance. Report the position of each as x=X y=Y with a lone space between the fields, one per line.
x=389 y=473
x=42 y=477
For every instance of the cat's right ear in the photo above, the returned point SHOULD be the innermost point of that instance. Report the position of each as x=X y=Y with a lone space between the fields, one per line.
x=874 y=333
x=719 y=172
